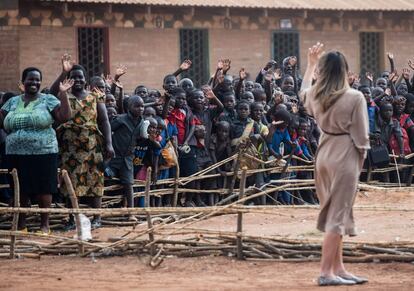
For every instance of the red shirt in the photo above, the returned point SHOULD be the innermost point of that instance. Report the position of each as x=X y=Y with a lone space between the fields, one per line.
x=405 y=123
x=177 y=117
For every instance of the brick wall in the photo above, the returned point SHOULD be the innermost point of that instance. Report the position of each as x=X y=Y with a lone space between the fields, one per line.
x=152 y=53
x=9 y=58
x=248 y=49
x=401 y=45
x=149 y=55
x=252 y=49
x=42 y=47
x=345 y=42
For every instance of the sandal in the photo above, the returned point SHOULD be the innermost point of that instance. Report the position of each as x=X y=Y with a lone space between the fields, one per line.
x=43 y=233
x=25 y=230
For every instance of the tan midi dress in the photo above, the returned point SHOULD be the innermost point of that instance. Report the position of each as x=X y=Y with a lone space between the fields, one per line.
x=339 y=159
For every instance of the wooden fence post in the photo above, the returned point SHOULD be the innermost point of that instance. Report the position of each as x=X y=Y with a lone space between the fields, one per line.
x=15 y=215
x=147 y=205
x=240 y=255
x=75 y=205
x=176 y=178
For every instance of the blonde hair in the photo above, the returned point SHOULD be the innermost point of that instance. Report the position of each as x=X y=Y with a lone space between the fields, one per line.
x=332 y=79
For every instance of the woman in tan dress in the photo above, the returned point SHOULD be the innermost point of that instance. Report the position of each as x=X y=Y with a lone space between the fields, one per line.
x=342 y=116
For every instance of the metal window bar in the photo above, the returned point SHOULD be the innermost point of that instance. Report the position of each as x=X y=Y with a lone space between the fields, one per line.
x=370 y=52
x=285 y=44
x=194 y=46
x=91 y=50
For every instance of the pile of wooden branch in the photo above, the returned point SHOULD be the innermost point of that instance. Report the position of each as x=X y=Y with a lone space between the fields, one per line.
x=168 y=231
x=191 y=242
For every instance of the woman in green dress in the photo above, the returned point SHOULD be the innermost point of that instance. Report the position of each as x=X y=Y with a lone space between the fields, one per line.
x=85 y=139
x=31 y=144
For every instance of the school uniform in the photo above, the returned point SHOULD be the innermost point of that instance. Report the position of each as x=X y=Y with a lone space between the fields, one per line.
x=125 y=132
x=206 y=118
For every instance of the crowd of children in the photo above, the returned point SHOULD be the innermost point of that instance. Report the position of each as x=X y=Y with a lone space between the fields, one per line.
x=184 y=129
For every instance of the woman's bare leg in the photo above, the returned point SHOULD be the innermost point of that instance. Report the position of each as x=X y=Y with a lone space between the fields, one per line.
x=45 y=201
x=96 y=202
x=329 y=254
x=129 y=193
x=339 y=267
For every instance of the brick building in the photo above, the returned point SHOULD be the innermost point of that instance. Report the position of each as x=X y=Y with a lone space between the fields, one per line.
x=152 y=36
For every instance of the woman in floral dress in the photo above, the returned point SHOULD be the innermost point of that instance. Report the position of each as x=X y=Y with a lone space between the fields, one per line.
x=85 y=138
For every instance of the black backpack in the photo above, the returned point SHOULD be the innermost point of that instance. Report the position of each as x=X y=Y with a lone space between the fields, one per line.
x=378 y=155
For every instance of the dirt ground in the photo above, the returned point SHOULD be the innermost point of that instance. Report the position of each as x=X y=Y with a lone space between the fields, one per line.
x=221 y=273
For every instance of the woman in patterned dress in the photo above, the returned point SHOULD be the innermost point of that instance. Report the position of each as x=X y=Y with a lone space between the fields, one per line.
x=31 y=144
x=85 y=138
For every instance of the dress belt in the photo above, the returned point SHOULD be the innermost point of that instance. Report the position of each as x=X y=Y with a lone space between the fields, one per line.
x=334 y=134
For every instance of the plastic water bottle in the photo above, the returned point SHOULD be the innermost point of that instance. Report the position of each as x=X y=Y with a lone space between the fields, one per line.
x=282 y=149
x=85 y=228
